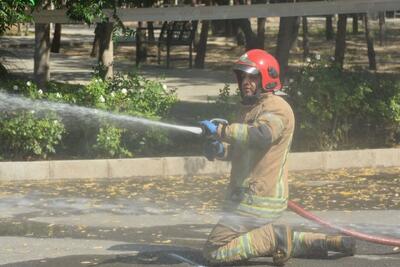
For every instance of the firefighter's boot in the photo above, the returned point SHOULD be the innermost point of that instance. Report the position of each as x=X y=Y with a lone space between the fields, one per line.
x=284 y=244
x=343 y=244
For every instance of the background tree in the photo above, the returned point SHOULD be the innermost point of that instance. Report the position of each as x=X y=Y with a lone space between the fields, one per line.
x=11 y=13
x=355 y=23
x=287 y=35
x=56 y=42
x=261 y=28
x=340 y=47
x=370 y=43
x=306 y=42
x=41 y=67
x=88 y=11
x=244 y=25
x=201 y=47
x=329 y=27
x=381 y=28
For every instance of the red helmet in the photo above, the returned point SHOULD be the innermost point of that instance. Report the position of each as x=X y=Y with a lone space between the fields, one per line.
x=257 y=61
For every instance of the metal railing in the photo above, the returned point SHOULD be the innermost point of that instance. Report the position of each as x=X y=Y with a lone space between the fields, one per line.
x=233 y=12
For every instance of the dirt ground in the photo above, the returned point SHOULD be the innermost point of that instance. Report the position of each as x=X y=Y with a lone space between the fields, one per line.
x=342 y=189
x=222 y=51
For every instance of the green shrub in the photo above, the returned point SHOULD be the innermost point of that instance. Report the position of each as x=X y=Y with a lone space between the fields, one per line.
x=129 y=94
x=340 y=110
x=135 y=95
x=27 y=136
x=385 y=108
x=109 y=143
x=227 y=103
x=94 y=94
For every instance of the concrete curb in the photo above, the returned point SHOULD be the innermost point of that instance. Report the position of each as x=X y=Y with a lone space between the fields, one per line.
x=169 y=166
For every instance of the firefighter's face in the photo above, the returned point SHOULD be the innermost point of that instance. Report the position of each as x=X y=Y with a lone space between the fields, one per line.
x=249 y=83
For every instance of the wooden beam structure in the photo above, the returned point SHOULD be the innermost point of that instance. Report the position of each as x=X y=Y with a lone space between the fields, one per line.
x=315 y=8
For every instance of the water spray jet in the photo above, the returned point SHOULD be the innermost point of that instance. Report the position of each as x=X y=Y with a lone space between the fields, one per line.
x=9 y=102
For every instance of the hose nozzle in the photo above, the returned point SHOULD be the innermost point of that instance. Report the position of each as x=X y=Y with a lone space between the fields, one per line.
x=217 y=121
x=208 y=130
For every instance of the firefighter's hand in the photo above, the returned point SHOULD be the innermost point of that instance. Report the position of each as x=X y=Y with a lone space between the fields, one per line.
x=213 y=149
x=209 y=128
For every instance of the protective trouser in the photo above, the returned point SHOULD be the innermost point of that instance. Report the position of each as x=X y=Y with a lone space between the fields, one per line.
x=226 y=245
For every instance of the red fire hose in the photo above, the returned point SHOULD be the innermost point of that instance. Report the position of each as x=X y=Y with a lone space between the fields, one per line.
x=374 y=239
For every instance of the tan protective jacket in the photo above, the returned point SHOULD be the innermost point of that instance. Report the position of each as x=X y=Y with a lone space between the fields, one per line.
x=258 y=147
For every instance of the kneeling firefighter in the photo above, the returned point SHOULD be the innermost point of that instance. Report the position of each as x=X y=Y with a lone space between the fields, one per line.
x=258 y=146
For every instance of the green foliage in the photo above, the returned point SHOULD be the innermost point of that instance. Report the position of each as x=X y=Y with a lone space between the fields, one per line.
x=90 y=10
x=331 y=106
x=12 y=12
x=109 y=143
x=129 y=94
x=385 y=108
x=224 y=94
x=122 y=32
x=27 y=136
x=227 y=103
x=93 y=95
x=150 y=142
x=15 y=11
x=87 y=10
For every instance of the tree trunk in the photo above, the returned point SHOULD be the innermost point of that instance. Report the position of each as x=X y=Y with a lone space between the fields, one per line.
x=141 y=45
x=370 y=43
x=218 y=27
x=229 y=30
x=260 y=27
x=249 y=35
x=261 y=32
x=295 y=31
x=329 y=28
x=306 y=42
x=150 y=31
x=3 y=71
x=341 y=41
x=355 y=23
x=42 y=54
x=55 y=44
x=95 y=45
x=381 y=28
x=26 y=29
x=106 y=53
x=202 y=45
x=288 y=31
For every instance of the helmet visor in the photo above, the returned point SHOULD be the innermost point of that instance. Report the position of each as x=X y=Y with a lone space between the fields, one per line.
x=246 y=68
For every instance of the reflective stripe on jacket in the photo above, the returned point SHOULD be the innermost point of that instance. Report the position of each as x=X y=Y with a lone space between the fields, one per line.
x=258 y=146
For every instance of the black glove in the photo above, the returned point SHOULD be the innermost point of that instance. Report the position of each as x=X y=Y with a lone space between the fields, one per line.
x=213 y=149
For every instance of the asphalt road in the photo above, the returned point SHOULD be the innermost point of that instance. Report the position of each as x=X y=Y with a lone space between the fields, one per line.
x=159 y=222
